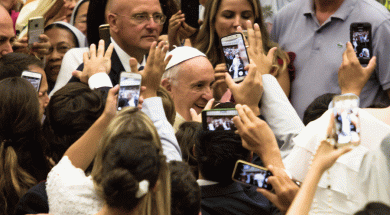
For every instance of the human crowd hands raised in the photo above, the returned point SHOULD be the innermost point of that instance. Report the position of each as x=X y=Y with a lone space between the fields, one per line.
x=154 y=68
x=255 y=48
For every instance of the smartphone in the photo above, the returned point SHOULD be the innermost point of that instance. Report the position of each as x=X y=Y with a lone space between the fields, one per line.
x=191 y=10
x=35 y=29
x=247 y=173
x=33 y=77
x=219 y=119
x=236 y=56
x=104 y=34
x=129 y=90
x=361 y=41
x=346 y=123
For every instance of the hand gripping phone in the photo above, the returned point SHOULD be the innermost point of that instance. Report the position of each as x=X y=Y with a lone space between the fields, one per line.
x=219 y=119
x=236 y=56
x=250 y=174
x=360 y=33
x=129 y=90
x=346 y=122
x=33 y=77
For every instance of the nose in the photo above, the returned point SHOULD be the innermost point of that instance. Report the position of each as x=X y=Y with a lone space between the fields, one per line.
x=55 y=55
x=6 y=48
x=237 y=21
x=46 y=101
x=151 y=24
x=208 y=94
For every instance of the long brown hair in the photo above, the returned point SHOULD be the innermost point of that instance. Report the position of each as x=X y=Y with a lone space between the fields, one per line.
x=208 y=42
x=22 y=160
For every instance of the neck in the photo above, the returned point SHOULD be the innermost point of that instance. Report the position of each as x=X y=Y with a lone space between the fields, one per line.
x=325 y=8
x=134 y=52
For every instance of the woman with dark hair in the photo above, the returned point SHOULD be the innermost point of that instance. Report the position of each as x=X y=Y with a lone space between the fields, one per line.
x=22 y=159
x=63 y=37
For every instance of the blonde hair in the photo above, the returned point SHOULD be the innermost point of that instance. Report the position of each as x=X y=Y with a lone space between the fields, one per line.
x=134 y=140
x=208 y=42
x=168 y=104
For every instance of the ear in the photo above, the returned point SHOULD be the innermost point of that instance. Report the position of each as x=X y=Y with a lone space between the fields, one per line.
x=113 y=22
x=167 y=85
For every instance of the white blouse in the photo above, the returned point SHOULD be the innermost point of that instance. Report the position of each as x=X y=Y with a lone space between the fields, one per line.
x=70 y=191
x=348 y=185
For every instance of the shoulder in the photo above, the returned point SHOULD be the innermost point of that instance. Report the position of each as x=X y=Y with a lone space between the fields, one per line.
x=371 y=11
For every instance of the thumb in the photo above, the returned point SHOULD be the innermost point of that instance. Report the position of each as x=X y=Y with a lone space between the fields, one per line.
x=209 y=104
x=77 y=74
x=271 y=52
x=371 y=65
x=341 y=151
x=194 y=115
x=133 y=65
x=229 y=81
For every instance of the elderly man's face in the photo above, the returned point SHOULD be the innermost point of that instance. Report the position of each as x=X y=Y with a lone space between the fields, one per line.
x=131 y=35
x=7 y=34
x=192 y=87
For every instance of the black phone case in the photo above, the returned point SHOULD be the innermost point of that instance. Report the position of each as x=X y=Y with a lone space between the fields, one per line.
x=191 y=10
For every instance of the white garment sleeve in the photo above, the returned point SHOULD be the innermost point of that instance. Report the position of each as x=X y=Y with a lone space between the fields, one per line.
x=99 y=80
x=279 y=114
x=70 y=191
x=154 y=109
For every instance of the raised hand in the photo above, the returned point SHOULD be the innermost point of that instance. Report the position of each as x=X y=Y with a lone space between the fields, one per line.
x=95 y=62
x=249 y=91
x=352 y=76
x=154 y=68
x=257 y=136
x=255 y=50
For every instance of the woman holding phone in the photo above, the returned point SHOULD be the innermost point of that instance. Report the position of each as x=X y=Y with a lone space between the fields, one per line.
x=224 y=17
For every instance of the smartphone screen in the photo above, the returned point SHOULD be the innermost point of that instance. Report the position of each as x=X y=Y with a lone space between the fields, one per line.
x=361 y=41
x=219 y=119
x=251 y=174
x=35 y=29
x=236 y=56
x=346 y=112
x=33 y=77
x=129 y=90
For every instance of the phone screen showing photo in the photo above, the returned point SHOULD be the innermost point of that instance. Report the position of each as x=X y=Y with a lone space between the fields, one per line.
x=36 y=82
x=219 y=120
x=253 y=176
x=347 y=121
x=128 y=92
x=236 y=56
x=361 y=41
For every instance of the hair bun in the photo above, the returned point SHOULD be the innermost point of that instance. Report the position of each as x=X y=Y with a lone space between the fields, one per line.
x=119 y=187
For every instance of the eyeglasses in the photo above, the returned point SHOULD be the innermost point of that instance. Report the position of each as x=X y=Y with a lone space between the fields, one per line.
x=61 y=48
x=141 y=18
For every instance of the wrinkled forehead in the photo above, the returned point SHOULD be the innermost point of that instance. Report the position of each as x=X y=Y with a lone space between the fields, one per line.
x=136 y=6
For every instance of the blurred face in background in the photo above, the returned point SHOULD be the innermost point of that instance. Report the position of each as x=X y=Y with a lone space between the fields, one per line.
x=80 y=21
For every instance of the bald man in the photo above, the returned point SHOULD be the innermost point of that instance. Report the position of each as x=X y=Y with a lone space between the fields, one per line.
x=7 y=34
x=134 y=26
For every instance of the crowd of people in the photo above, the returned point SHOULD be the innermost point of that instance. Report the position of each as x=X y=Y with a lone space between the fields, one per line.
x=66 y=147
